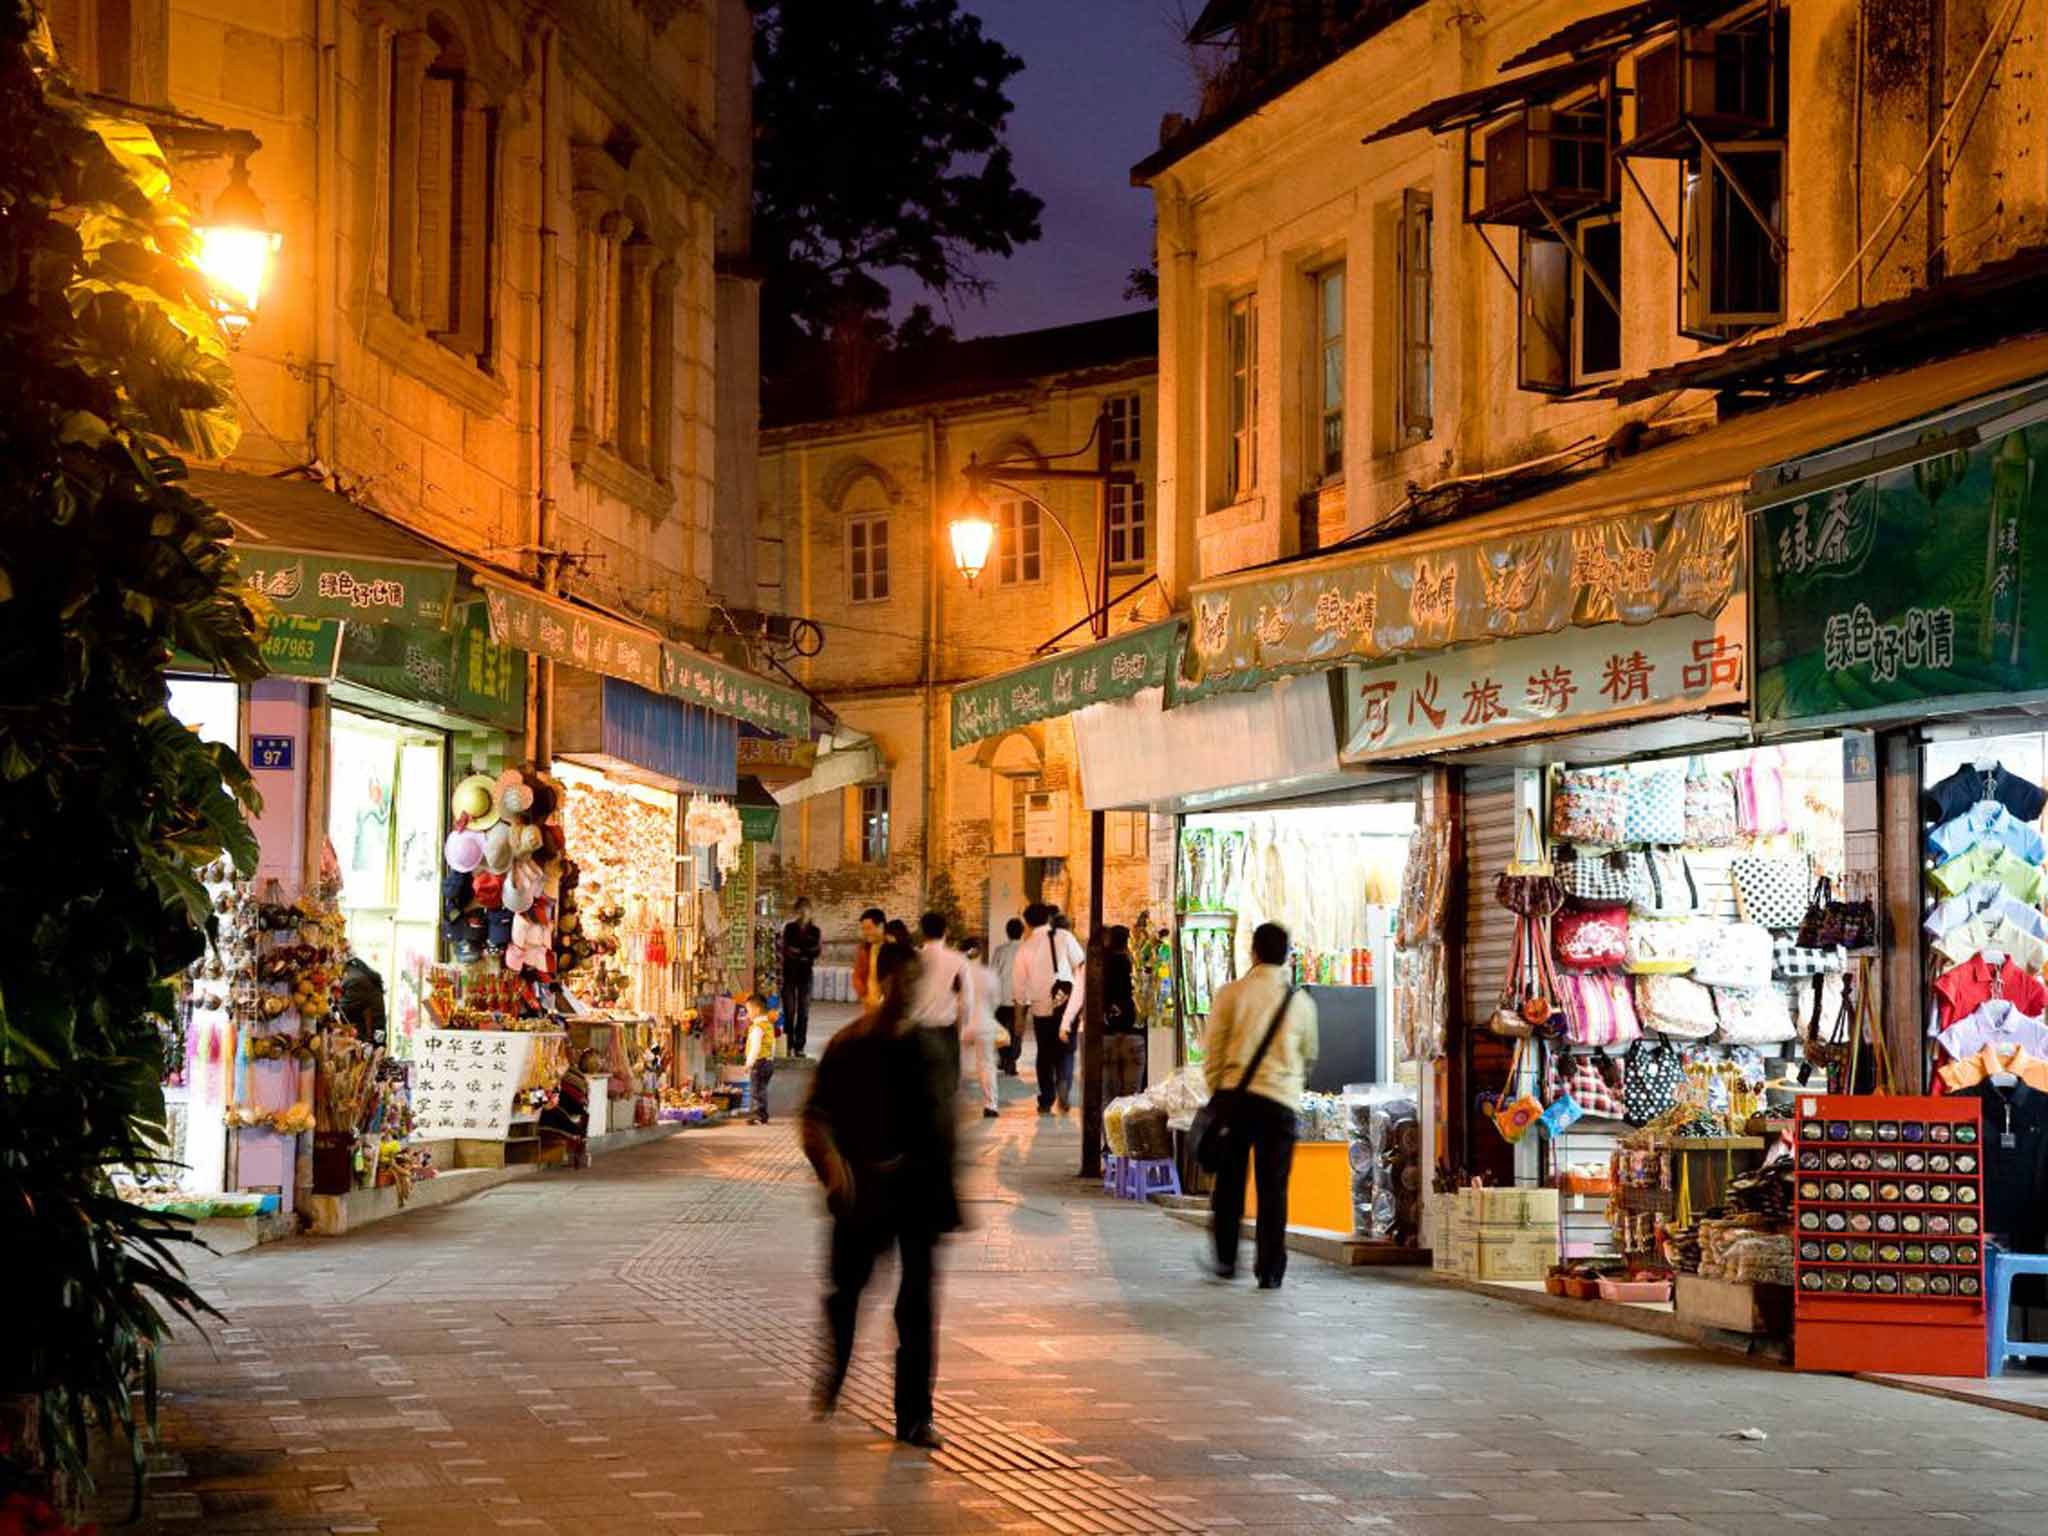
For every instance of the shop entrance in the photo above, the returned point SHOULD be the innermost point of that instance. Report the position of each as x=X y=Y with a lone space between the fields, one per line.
x=385 y=818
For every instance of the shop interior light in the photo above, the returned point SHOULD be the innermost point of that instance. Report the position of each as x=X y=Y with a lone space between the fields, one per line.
x=236 y=248
x=973 y=533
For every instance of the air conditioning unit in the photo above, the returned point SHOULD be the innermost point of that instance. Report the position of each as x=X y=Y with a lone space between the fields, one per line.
x=1552 y=158
x=1721 y=80
x=1045 y=824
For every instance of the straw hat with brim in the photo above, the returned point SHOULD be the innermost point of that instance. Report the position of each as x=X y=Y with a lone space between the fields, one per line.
x=477 y=798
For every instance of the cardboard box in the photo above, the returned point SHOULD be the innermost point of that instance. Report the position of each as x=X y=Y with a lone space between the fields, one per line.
x=1513 y=1256
x=1509 y=1207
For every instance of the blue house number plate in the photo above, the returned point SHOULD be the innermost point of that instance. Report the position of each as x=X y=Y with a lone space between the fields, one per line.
x=271 y=752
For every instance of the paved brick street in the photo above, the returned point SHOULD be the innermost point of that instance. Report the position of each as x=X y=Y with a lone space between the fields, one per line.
x=628 y=1349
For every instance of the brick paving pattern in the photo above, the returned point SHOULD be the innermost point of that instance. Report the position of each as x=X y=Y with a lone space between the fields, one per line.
x=629 y=1350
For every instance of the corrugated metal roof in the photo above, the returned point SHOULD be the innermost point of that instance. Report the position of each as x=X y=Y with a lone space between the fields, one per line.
x=273 y=512
x=1469 y=107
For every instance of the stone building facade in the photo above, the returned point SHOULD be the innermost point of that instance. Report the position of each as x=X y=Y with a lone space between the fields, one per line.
x=854 y=513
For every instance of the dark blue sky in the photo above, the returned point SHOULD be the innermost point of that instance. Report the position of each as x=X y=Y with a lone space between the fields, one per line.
x=1097 y=76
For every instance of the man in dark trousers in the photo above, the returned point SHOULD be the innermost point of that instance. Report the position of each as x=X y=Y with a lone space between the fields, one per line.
x=801 y=945
x=874 y=1130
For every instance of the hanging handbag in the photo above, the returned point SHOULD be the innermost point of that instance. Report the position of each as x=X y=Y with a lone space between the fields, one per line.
x=1849 y=925
x=1595 y=879
x=1654 y=1073
x=1771 y=892
x=1591 y=938
x=1753 y=1016
x=1710 y=817
x=1656 y=806
x=1529 y=887
x=1661 y=884
x=1732 y=955
x=1675 y=1005
x=1760 y=799
x=1560 y=1115
x=1590 y=805
x=1221 y=1120
x=1792 y=960
x=1514 y=1118
x=1661 y=946
x=1598 y=1008
x=1593 y=1082
x=1518 y=998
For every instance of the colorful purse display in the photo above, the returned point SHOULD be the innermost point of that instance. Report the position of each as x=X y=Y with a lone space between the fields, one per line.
x=1732 y=955
x=1591 y=938
x=1661 y=946
x=1675 y=1005
x=1590 y=805
x=1594 y=1083
x=1598 y=1008
x=1753 y=1016
x=1514 y=1118
x=1655 y=1073
x=1656 y=806
x=1596 y=879
x=1661 y=884
x=1710 y=815
x=1770 y=892
x=1830 y=924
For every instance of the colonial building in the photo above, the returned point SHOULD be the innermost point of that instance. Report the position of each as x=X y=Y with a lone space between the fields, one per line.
x=855 y=508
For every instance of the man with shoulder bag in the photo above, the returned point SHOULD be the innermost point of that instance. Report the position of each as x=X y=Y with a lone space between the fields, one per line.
x=1048 y=959
x=1257 y=1055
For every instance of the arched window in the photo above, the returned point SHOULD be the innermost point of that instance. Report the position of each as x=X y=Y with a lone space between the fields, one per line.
x=626 y=279
x=442 y=256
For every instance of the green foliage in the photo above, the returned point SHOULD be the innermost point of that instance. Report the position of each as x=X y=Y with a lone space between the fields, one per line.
x=878 y=152
x=109 y=808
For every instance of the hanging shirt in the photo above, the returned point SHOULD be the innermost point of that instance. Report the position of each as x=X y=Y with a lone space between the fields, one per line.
x=1992 y=861
x=2015 y=1143
x=1986 y=822
x=1987 y=935
x=1969 y=785
x=1962 y=991
x=1995 y=1061
x=1995 y=1025
x=1987 y=898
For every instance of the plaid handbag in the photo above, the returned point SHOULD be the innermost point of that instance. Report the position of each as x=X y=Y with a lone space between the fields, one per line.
x=1595 y=879
x=1594 y=1082
x=1793 y=959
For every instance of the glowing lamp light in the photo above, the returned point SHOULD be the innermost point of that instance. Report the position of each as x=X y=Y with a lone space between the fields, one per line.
x=236 y=247
x=973 y=534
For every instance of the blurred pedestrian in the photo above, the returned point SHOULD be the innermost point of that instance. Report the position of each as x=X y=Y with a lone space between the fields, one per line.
x=872 y=1131
x=1048 y=960
x=1123 y=1043
x=760 y=1061
x=867 y=985
x=984 y=1033
x=1002 y=962
x=801 y=944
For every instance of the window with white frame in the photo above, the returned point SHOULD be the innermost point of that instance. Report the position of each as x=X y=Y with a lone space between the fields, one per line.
x=1126 y=429
x=1327 y=450
x=1241 y=396
x=1020 y=543
x=874 y=823
x=1128 y=545
x=867 y=558
x=1570 y=297
x=1414 y=321
x=440 y=257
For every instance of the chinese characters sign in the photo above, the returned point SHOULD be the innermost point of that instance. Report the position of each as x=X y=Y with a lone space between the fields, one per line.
x=363 y=591
x=461 y=670
x=1903 y=586
x=463 y=1081
x=1524 y=687
x=1113 y=669
x=704 y=681
x=1368 y=607
x=293 y=646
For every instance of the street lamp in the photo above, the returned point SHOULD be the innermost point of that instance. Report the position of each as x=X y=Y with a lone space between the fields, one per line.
x=973 y=533
x=236 y=246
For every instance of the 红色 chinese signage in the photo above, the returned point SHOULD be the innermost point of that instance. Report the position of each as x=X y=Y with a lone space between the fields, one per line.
x=1059 y=685
x=1600 y=674
x=1367 y=608
x=1904 y=586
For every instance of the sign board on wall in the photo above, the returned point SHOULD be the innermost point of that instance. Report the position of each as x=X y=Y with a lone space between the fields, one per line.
x=1113 y=669
x=1607 y=673
x=1906 y=586
x=463 y=1081
x=1045 y=824
x=776 y=760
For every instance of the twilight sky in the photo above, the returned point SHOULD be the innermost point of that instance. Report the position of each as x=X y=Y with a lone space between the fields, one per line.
x=1097 y=76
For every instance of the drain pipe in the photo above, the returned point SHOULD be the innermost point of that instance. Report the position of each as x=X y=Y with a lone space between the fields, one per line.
x=541 y=719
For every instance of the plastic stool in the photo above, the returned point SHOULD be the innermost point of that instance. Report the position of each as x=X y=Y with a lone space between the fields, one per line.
x=1112 y=1173
x=1999 y=1268
x=1144 y=1177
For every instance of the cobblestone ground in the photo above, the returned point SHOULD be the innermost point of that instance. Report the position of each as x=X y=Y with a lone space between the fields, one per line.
x=627 y=1350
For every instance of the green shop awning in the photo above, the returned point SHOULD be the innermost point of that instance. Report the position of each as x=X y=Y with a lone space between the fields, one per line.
x=1110 y=669
x=292 y=647
x=460 y=671
x=1494 y=577
x=318 y=555
x=568 y=632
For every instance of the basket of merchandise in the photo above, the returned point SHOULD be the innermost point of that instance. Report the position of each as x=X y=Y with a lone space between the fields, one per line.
x=1586 y=1179
x=1641 y=1286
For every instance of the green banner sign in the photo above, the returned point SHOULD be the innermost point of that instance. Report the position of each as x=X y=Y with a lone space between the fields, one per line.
x=716 y=685
x=758 y=822
x=1059 y=685
x=363 y=591
x=1371 y=606
x=461 y=670
x=293 y=646
x=1906 y=585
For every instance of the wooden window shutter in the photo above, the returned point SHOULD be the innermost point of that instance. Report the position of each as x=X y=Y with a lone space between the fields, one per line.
x=437 y=203
x=472 y=237
x=410 y=55
x=850 y=825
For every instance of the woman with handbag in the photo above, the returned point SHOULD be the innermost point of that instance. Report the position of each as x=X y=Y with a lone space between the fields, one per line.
x=1257 y=1055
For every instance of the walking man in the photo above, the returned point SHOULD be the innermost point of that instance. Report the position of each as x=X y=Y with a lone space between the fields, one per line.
x=1007 y=1014
x=1261 y=1037
x=801 y=944
x=941 y=1003
x=867 y=984
x=1047 y=961
x=872 y=1129
x=984 y=1029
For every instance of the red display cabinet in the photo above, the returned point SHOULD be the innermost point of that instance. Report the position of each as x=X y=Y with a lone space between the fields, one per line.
x=1888 y=1234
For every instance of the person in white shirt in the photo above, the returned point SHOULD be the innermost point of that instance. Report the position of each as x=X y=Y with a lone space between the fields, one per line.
x=940 y=1000
x=1042 y=977
x=1001 y=962
x=984 y=1032
x=760 y=1061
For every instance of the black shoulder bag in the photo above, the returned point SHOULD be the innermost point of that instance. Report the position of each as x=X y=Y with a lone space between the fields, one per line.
x=1062 y=986
x=1221 y=1118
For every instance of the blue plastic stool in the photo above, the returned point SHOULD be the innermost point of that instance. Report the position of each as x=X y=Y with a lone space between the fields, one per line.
x=1144 y=1177
x=1999 y=1268
x=1112 y=1173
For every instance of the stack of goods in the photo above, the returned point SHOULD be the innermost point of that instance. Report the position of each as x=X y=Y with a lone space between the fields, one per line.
x=1420 y=967
x=1649 y=959
x=1500 y=1234
x=1207 y=965
x=500 y=893
x=1386 y=1169
x=624 y=849
x=1989 y=939
x=1322 y=1117
x=1744 y=1246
